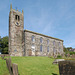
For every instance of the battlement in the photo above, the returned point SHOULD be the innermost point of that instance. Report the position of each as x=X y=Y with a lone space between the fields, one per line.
x=11 y=9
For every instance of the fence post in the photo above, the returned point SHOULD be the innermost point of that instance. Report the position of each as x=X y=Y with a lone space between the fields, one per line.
x=15 y=69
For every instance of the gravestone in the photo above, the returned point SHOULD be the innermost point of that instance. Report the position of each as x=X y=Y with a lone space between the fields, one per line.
x=73 y=56
x=58 y=60
x=15 y=69
x=8 y=62
x=67 y=67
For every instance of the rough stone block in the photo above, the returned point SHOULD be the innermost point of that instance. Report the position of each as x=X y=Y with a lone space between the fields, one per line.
x=67 y=67
x=15 y=69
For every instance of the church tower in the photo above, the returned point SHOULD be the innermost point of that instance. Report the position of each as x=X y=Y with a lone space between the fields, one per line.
x=16 y=26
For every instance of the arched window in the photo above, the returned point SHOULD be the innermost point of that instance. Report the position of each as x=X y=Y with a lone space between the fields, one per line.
x=48 y=49
x=54 y=51
x=54 y=43
x=47 y=41
x=17 y=17
x=33 y=38
x=33 y=47
x=59 y=49
x=59 y=44
x=40 y=48
x=41 y=40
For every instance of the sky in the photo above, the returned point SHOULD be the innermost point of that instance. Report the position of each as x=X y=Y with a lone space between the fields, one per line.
x=55 y=18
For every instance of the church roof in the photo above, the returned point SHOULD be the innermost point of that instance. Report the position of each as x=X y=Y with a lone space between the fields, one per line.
x=42 y=35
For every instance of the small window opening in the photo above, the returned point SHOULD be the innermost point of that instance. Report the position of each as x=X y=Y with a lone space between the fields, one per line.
x=59 y=44
x=54 y=43
x=54 y=50
x=47 y=41
x=17 y=17
x=33 y=47
x=33 y=38
x=48 y=49
x=41 y=40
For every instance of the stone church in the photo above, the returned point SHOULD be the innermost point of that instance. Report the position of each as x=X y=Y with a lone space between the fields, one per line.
x=28 y=43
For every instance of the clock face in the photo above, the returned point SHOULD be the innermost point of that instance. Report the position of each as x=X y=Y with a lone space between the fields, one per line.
x=17 y=23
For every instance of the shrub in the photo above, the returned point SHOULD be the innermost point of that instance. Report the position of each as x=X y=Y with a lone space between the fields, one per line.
x=59 y=56
x=71 y=53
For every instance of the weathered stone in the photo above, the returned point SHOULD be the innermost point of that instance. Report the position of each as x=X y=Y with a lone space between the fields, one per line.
x=67 y=67
x=15 y=69
x=28 y=44
x=20 y=41
x=16 y=25
x=8 y=62
x=73 y=56
x=56 y=61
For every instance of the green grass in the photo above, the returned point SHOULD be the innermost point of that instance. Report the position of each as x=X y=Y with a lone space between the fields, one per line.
x=32 y=66
x=3 y=67
x=35 y=66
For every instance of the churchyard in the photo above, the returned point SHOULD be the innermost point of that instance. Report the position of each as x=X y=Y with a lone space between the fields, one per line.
x=33 y=65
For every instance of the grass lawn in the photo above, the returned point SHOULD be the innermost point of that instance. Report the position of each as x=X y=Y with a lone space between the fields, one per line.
x=31 y=66
x=3 y=67
x=35 y=66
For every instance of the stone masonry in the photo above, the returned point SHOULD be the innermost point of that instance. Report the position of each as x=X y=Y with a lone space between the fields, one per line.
x=27 y=43
x=54 y=49
x=15 y=33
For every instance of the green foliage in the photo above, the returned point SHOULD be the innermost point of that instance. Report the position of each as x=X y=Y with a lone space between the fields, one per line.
x=66 y=50
x=59 y=56
x=0 y=45
x=4 y=45
x=71 y=53
x=69 y=48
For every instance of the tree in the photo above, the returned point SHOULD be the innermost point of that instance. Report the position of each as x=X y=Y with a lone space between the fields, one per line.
x=4 y=45
x=69 y=48
x=0 y=44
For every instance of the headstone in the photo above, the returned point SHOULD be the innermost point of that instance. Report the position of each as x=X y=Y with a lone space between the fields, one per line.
x=67 y=67
x=15 y=69
x=73 y=56
x=8 y=62
x=57 y=60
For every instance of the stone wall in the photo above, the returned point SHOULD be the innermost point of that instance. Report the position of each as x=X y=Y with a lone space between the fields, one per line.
x=45 y=45
x=4 y=55
x=16 y=33
x=20 y=42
